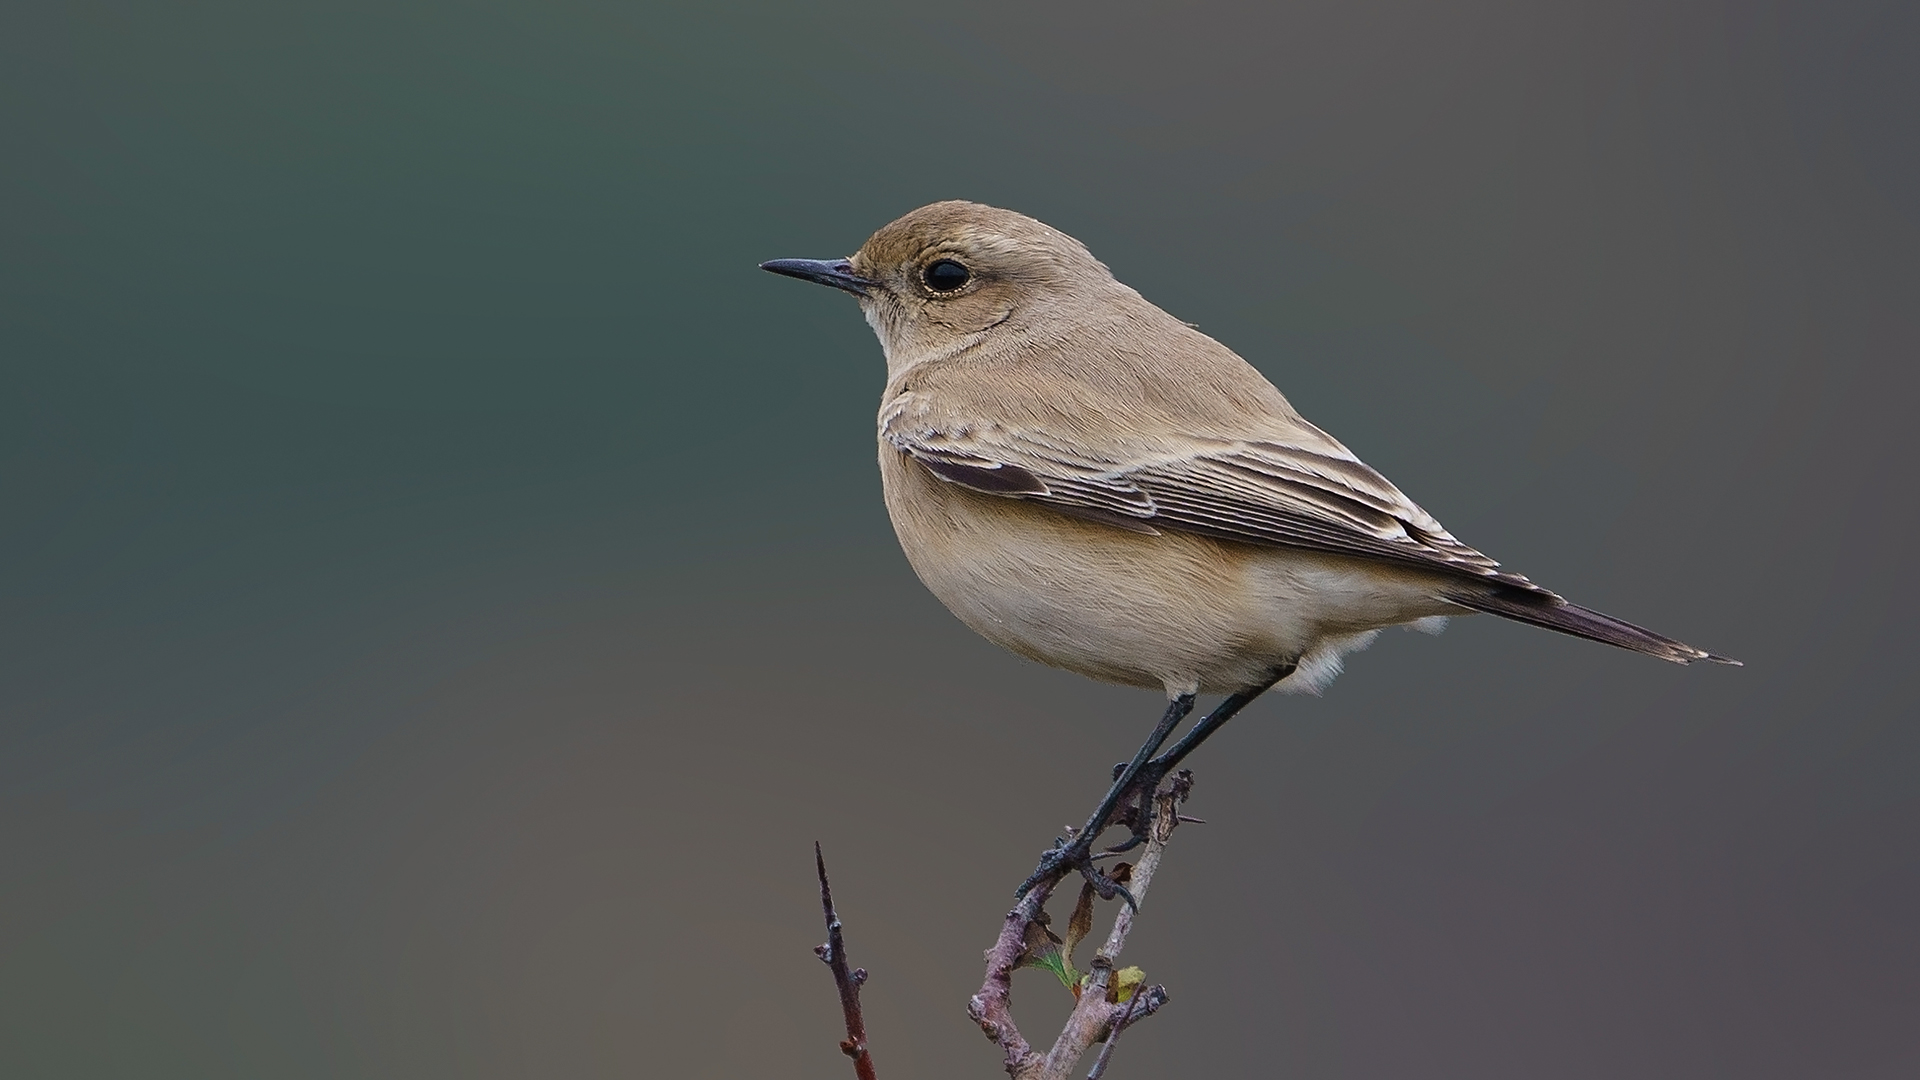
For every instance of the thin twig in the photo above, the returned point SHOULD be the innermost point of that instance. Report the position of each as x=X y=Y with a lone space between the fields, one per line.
x=1094 y=1017
x=1144 y=1004
x=992 y=1007
x=834 y=952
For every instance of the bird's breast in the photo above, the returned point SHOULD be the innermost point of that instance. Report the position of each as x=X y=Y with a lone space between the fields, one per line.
x=1168 y=610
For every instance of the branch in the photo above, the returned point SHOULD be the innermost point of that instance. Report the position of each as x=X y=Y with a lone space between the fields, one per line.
x=834 y=952
x=992 y=1007
x=1095 y=1015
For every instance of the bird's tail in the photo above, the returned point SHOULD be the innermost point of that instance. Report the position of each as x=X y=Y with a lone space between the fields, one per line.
x=1548 y=610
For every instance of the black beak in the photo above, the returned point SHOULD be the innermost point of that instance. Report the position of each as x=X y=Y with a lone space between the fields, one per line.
x=835 y=272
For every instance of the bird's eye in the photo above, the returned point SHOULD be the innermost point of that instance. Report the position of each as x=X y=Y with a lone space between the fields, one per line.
x=946 y=275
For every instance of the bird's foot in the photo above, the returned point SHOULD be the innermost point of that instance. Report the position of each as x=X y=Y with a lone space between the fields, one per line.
x=1075 y=853
x=1133 y=809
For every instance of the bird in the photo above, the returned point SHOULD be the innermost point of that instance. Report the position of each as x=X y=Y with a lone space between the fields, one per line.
x=1094 y=484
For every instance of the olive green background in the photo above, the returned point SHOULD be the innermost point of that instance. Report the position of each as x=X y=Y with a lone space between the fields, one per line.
x=444 y=591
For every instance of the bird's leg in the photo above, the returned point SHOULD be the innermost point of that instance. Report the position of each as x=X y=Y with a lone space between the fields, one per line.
x=1151 y=773
x=1077 y=851
x=1211 y=723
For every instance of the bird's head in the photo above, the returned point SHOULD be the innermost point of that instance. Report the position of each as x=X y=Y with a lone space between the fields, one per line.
x=952 y=275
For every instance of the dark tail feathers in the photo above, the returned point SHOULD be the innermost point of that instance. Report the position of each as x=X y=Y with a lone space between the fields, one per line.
x=1545 y=609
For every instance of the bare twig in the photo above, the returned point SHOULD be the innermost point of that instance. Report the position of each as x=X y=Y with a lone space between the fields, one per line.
x=1103 y=1008
x=834 y=952
x=1096 y=1015
x=1144 y=1004
x=992 y=1007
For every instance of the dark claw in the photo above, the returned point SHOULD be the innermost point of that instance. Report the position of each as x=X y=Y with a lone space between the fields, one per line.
x=1107 y=888
x=1075 y=855
x=1051 y=862
x=1076 y=851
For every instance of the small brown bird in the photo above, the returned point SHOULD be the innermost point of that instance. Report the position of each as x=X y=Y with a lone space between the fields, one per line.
x=1094 y=484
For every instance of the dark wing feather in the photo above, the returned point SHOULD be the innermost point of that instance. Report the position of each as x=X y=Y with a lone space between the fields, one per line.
x=1257 y=492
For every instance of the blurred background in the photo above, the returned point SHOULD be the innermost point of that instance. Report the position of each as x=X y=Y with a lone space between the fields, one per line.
x=400 y=677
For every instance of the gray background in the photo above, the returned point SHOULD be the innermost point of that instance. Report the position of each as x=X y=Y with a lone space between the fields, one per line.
x=444 y=590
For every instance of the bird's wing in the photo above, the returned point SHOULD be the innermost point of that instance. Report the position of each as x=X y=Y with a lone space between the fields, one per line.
x=1287 y=493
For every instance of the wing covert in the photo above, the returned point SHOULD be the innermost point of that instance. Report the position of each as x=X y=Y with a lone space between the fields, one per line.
x=1253 y=491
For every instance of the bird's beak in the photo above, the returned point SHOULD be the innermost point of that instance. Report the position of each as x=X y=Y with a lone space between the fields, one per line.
x=835 y=272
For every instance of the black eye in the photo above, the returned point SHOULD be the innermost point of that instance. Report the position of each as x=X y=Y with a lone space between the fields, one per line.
x=946 y=276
